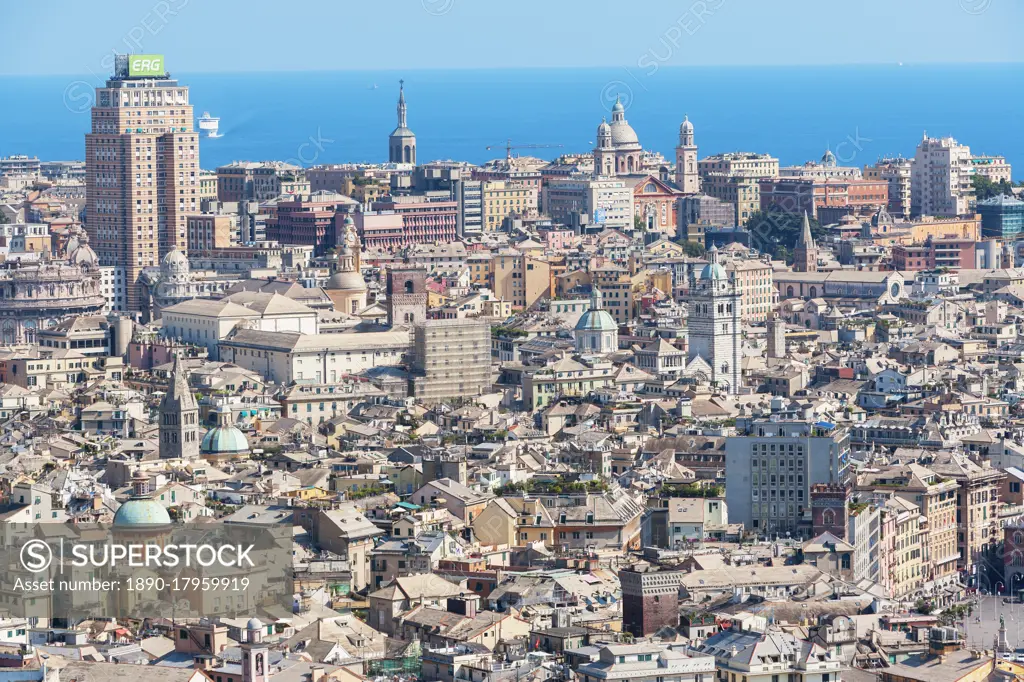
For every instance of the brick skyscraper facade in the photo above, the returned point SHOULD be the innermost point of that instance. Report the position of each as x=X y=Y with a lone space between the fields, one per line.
x=142 y=168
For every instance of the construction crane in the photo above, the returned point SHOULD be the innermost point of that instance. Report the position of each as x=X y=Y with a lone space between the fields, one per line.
x=509 y=147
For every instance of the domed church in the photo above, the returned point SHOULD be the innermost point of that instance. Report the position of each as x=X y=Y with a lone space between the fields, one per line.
x=618 y=150
x=224 y=441
x=346 y=287
x=596 y=332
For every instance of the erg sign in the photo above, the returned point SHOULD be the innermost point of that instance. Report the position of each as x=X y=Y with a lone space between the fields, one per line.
x=146 y=65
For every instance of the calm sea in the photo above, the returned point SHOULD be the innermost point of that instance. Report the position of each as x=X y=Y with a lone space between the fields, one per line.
x=794 y=113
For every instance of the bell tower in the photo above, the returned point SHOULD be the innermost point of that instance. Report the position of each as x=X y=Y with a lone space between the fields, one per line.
x=179 y=418
x=687 y=178
x=255 y=654
x=713 y=324
x=805 y=253
x=402 y=142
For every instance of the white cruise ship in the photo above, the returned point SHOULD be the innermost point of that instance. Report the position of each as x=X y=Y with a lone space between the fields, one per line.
x=209 y=124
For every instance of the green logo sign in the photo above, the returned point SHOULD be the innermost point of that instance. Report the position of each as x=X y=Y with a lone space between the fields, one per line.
x=146 y=65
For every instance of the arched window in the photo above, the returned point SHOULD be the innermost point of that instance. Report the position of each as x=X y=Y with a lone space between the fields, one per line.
x=814 y=292
x=408 y=286
x=789 y=292
x=829 y=517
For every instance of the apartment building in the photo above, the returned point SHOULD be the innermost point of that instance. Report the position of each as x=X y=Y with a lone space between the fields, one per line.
x=940 y=178
x=734 y=178
x=756 y=287
x=500 y=200
x=936 y=499
x=896 y=172
x=770 y=471
x=519 y=278
x=208 y=231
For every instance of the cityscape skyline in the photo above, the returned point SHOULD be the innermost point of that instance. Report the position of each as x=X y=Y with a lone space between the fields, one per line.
x=665 y=34
x=566 y=356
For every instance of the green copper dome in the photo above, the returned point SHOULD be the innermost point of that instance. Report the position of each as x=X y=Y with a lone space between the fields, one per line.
x=141 y=512
x=223 y=440
x=597 y=321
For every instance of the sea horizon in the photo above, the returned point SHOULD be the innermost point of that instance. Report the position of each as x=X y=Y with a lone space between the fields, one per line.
x=794 y=113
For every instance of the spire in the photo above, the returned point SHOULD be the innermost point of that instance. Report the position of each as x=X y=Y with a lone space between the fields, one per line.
x=401 y=104
x=178 y=393
x=805 y=234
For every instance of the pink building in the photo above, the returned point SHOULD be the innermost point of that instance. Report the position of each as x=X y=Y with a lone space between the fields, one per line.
x=423 y=220
x=558 y=239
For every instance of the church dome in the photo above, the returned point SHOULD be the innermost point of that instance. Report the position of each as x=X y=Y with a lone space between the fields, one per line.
x=713 y=271
x=141 y=512
x=828 y=159
x=224 y=440
x=686 y=126
x=346 y=281
x=623 y=134
x=596 y=319
x=81 y=253
x=175 y=266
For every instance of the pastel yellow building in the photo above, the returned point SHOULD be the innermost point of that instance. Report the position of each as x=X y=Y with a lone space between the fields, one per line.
x=520 y=279
x=479 y=265
x=502 y=199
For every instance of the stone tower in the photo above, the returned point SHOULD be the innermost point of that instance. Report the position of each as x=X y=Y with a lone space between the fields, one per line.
x=805 y=255
x=687 y=178
x=714 y=324
x=829 y=504
x=402 y=142
x=407 y=295
x=179 y=418
x=776 y=336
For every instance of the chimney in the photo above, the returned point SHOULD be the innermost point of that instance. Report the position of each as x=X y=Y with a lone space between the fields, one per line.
x=316 y=673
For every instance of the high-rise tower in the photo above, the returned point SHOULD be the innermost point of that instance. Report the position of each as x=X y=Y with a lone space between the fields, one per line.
x=142 y=168
x=179 y=418
x=402 y=142
x=687 y=178
x=714 y=324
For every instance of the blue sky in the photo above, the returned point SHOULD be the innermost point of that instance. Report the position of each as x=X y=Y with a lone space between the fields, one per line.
x=75 y=37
